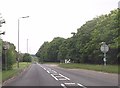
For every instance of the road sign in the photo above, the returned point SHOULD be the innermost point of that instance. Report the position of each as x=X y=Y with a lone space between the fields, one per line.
x=104 y=48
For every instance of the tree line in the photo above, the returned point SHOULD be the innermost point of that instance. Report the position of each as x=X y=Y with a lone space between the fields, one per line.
x=10 y=56
x=84 y=46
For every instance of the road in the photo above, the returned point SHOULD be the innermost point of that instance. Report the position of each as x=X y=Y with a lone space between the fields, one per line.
x=51 y=75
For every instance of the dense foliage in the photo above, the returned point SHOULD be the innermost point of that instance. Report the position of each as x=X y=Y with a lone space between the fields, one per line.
x=84 y=46
x=27 y=57
x=9 y=55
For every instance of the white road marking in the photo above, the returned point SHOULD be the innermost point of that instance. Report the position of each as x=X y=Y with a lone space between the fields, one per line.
x=54 y=71
x=81 y=85
x=54 y=77
x=48 y=71
x=63 y=86
x=55 y=74
x=64 y=76
x=44 y=68
x=69 y=83
x=62 y=79
x=58 y=76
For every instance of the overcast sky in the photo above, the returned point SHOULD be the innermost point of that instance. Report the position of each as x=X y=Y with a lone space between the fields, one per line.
x=48 y=19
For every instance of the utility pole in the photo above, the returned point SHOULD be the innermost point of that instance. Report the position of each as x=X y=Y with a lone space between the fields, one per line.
x=27 y=45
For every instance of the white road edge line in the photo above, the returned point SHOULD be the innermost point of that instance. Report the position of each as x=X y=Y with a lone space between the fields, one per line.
x=81 y=85
x=63 y=86
x=64 y=76
x=54 y=77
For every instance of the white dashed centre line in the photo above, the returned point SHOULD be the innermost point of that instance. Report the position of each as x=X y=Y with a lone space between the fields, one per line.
x=48 y=71
x=63 y=86
x=81 y=85
x=44 y=68
x=57 y=77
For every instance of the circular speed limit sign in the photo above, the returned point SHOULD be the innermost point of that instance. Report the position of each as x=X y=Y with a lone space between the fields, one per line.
x=104 y=48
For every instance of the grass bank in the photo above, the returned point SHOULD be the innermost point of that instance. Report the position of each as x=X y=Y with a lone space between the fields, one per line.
x=15 y=71
x=108 y=68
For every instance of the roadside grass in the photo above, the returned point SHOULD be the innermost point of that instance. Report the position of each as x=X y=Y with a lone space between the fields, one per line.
x=15 y=71
x=108 y=68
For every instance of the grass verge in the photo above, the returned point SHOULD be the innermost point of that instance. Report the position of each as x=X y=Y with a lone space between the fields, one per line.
x=108 y=68
x=15 y=71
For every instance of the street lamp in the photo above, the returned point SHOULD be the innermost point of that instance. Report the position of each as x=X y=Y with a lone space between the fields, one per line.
x=73 y=33
x=18 y=38
x=3 y=33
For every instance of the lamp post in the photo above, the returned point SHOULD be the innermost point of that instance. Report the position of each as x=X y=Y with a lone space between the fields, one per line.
x=73 y=33
x=27 y=45
x=3 y=33
x=27 y=51
x=18 y=38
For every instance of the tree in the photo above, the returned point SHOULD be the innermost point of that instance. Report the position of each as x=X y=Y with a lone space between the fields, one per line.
x=84 y=46
x=10 y=55
x=27 y=57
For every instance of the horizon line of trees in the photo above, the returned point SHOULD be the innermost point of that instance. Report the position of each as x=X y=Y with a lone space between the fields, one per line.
x=84 y=46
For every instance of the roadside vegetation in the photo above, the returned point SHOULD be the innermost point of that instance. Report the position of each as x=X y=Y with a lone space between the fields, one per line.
x=9 y=59
x=84 y=46
x=15 y=71
x=94 y=67
x=102 y=68
x=9 y=56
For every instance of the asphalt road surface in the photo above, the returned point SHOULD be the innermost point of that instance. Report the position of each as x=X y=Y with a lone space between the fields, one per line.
x=50 y=75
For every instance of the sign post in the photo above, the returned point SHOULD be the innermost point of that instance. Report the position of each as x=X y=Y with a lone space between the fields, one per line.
x=104 y=48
